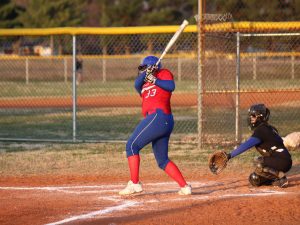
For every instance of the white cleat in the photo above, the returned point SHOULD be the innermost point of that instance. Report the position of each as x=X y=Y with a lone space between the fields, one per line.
x=186 y=190
x=131 y=188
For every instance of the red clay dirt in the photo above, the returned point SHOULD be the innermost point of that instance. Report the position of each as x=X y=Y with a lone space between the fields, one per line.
x=178 y=99
x=78 y=199
x=94 y=199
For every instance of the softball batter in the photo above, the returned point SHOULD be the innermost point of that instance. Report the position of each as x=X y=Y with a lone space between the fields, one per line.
x=275 y=160
x=155 y=85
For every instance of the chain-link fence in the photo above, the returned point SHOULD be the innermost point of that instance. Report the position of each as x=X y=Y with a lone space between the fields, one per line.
x=243 y=64
x=246 y=69
x=40 y=101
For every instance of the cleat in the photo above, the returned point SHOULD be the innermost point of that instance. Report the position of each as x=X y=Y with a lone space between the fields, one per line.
x=131 y=188
x=186 y=190
x=282 y=182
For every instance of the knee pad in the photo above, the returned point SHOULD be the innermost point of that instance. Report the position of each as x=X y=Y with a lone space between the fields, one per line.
x=258 y=161
x=132 y=148
x=255 y=180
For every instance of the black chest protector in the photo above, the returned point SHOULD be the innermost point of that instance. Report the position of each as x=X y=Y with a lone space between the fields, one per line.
x=271 y=142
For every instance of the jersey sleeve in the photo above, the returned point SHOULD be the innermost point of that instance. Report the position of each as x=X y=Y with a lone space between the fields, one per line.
x=251 y=142
x=165 y=80
x=165 y=75
x=139 y=81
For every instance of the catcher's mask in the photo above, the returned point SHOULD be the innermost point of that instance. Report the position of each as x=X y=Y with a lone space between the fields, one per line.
x=257 y=114
x=149 y=61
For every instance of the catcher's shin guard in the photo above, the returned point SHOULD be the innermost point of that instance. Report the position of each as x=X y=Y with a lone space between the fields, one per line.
x=257 y=180
x=281 y=182
x=269 y=173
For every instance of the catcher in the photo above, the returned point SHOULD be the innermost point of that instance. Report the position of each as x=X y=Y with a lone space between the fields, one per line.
x=275 y=160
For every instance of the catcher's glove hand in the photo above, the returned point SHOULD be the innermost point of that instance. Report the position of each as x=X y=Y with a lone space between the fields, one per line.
x=218 y=161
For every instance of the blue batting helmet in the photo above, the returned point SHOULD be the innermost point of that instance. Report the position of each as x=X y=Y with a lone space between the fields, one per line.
x=150 y=61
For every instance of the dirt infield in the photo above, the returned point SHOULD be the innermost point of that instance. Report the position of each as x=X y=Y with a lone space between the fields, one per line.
x=178 y=99
x=72 y=199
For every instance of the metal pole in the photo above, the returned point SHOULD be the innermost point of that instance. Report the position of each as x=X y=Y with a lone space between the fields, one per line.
x=179 y=68
x=218 y=67
x=293 y=67
x=65 y=70
x=74 y=87
x=104 y=53
x=254 y=68
x=27 y=70
x=103 y=70
x=200 y=26
x=237 y=91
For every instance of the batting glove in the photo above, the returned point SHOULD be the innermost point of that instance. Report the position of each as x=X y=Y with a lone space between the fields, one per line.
x=150 y=78
x=150 y=74
x=151 y=69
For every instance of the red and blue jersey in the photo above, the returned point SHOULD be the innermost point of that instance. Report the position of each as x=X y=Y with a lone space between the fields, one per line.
x=156 y=97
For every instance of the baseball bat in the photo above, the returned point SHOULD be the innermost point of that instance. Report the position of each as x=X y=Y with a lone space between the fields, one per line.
x=173 y=40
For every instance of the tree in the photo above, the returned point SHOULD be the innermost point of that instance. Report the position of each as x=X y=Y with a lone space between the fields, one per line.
x=145 y=12
x=162 y=12
x=118 y=13
x=60 y=13
x=123 y=13
x=257 y=10
x=9 y=13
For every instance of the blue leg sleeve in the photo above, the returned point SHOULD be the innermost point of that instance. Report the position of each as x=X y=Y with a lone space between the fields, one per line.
x=160 y=150
x=153 y=127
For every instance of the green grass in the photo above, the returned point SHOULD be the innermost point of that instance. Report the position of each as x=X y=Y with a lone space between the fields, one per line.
x=90 y=88
x=59 y=89
x=21 y=159
x=119 y=123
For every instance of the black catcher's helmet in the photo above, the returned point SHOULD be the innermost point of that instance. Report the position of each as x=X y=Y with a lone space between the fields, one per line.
x=260 y=112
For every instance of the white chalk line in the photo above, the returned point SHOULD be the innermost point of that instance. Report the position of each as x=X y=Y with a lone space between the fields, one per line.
x=107 y=188
x=125 y=204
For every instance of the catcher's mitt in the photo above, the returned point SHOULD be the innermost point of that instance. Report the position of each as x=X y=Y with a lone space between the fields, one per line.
x=218 y=161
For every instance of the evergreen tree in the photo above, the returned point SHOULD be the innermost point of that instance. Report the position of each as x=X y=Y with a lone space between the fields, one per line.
x=257 y=10
x=146 y=12
x=9 y=13
x=162 y=12
x=116 y=13
x=60 y=13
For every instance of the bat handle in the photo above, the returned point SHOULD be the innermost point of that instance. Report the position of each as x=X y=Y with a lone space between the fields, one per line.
x=158 y=61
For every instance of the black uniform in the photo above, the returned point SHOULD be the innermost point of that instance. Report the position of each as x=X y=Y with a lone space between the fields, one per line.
x=275 y=155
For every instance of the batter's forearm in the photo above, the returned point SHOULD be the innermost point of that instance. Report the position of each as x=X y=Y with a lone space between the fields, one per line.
x=139 y=81
x=168 y=85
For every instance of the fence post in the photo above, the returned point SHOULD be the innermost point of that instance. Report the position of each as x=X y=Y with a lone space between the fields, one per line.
x=179 y=68
x=65 y=70
x=74 y=93
x=104 y=64
x=254 y=68
x=218 y=66
x=293 y=66
x=201 y=37
x=237 y=91
x=27 y=70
